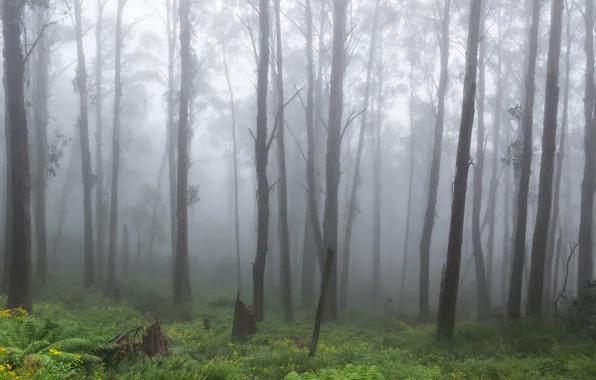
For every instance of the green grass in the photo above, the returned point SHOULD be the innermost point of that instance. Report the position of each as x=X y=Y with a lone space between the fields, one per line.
x=360 y=346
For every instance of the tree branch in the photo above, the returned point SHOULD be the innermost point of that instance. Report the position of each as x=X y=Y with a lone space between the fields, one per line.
x=37 y=40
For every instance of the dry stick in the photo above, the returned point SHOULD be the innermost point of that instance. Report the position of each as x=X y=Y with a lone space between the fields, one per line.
x=326 y=274
x=573 y=248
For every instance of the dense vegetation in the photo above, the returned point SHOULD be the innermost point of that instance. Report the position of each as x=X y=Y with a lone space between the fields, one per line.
x=68 y=337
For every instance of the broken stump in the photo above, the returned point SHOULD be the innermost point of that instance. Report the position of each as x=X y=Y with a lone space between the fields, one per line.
x=154 y=341
x=244 y=324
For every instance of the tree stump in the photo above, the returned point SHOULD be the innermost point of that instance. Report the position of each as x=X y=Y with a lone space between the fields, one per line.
x=154 y=341
x=244 y=324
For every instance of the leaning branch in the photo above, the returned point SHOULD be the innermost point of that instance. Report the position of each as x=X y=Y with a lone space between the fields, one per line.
x=37 y=40
x=273 y=133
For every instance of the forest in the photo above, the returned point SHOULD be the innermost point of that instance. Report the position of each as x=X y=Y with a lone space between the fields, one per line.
x=298 y=189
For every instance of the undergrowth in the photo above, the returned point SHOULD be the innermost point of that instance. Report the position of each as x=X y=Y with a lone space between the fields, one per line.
x=68 y=338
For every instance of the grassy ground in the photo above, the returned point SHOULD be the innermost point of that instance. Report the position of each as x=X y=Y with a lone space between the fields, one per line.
x=64 y=339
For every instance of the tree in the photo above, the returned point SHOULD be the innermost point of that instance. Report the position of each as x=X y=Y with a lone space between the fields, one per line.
x=284 y=229
x=181 y=287
x=83 y=123
x=483 y=302
x=549 y=142
x=40 y=110
x=435 y=169
x=19 y=287
x=585 y=260
x=99 y=189
x=519 y=249
x=261 y=159
x=356 y=180
x=450 y=281
x=116 y=150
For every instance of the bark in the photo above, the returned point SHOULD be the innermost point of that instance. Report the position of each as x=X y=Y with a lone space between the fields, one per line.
x=555 y=287
x=494 y=183
x=261 y=160
x=181 y=289
x=40 y=112
x=244 y=324
x=377 y=169
x=284 y=229
x=585 y=260
x=111 y=279
x=519 y=249
x=19 y=281
x=336 y=102
x=356 y=178
x=313 y=117
x=320 y=308
x=172 y=27
x=235 y=168
x=404 y=267
x=554 y=224
x=83 y=121
x=435 y=169
x=125 y=252
x=448 y=297
x=506 y=229
x=99 y=189
x=549 y=144
x=483 y=302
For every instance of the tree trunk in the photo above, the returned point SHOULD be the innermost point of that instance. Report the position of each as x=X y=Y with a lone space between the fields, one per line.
x=19 y=287
x=336 y=103
x=309 y=259
x=448 y=297
x=40 y=111
x=404 y=270
x=356 y=179
x=519 y=249
x=435 y=169
x=172 y=26
x=99 y=190
x=506 y=229
x=483 y=302
x=549 y=144
x=284 y=229
x=89 y=272
x=235 y=158
x=111 y=281
x=181 y=291
x=494 y=183
x=125 y=253
x=261 y=160
x=585 y=260
x=555 y=287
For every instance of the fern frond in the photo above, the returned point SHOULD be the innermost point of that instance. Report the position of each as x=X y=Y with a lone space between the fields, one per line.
x=36 y=347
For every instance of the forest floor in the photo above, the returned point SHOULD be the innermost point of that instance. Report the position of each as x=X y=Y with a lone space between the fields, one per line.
x=64 y=339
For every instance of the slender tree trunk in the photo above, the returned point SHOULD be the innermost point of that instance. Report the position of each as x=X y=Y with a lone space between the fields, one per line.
x=356 y=179
x=435 y=169
x=99 y=190
x=284 y=229
x=19 y=281
x=549 y=144
x=448 y=297
x=235 y=158
x=172 y=26
x=125 y=253
x=261 y=160
x=40 y=111
x=156 y=202
x=404 y=267
x=336 y=102
x=483 y=302
x=554 y=224
x=585 y=260
x=494 y=183
x=111 y=280
x=519 y=250
x=81 y=79
x=377 y=169
x=555 y=287
x=181 y=291
x=507 y=241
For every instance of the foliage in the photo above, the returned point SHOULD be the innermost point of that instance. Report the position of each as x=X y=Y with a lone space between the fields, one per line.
x=581 y=311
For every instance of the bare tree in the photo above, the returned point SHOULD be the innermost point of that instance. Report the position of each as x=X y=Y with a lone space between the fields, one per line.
x=111 y=279
x=181 y=288
x=450 y=281
x=19 y=286
x=585 y=260
x=435 y=169
x=83 y=121
x=519 y=249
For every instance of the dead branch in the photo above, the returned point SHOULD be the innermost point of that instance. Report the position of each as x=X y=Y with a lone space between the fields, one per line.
x=353 y=116
x=273 y=132
x=37 y=40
